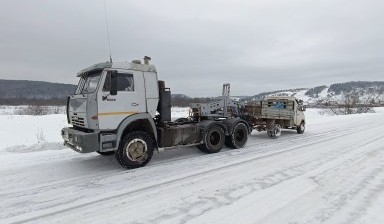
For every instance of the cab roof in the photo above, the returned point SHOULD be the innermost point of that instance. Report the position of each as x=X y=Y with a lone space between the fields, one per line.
x=118 y=65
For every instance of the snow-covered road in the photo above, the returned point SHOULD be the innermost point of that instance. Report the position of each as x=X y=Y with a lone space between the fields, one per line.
x=333 y=173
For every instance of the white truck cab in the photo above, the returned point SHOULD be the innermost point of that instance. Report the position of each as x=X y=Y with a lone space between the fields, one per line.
x=98 y=107
x=137 y=92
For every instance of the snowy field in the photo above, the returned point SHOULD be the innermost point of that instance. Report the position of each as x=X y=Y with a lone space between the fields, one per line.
x=333 y=173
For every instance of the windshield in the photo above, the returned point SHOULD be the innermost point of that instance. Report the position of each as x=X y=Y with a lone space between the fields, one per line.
x=88 y=83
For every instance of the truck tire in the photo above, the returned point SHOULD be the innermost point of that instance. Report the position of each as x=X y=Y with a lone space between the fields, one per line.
x=106 y=153
x=300 y=129
x=213 y=140
x=135 y=150
x=275 y=132
x=201 y=147
x=238 y=138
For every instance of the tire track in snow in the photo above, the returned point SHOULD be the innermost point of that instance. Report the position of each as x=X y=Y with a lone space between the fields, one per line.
x=271 y=180
x=276 y=145
x=194 y=174
x=362 y=184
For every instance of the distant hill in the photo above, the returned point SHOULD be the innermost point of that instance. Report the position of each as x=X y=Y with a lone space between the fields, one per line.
x=16 y=92
x=34 y=89
x=358 y=87
x=288 y=92
x=320 y=94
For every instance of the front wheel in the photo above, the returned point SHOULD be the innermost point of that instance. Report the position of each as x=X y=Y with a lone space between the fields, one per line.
x=135 y=150
x=300 y=129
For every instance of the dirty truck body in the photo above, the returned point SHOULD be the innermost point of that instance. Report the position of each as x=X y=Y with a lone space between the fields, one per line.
x=122 y=109
x=275 y=113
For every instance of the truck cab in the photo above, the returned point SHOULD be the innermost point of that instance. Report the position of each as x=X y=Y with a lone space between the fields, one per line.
x=107 y=95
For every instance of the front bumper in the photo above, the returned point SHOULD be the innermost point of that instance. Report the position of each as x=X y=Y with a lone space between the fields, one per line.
x=80 y=141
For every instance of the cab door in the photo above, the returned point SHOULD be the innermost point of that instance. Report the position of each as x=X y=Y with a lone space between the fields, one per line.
x=129 y=100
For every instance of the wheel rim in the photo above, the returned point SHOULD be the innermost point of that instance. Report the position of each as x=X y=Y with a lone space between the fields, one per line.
x=239 y=135
x=215 y=138
x=277 y=131
x=302 y=127
x=136 y=150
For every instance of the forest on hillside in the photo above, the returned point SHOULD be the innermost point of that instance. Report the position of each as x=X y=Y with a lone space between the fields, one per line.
x=22 y=92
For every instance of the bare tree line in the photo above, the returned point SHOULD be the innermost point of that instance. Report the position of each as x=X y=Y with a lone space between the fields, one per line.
x=34 y=102
x=350 y=103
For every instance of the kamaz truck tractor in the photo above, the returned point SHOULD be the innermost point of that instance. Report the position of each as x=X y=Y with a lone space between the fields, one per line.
x=122 y=109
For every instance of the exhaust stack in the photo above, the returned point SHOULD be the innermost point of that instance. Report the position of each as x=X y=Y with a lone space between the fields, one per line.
x=147 y=60
x=164 y=106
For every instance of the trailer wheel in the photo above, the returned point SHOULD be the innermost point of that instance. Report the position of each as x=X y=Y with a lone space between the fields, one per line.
x=106 y=153
x=275 y=132
x=135 y=150
x=238 y=138
x=300 y=129
x=213 y=140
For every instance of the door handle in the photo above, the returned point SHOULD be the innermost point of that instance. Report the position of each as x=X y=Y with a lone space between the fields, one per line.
x=134 y=104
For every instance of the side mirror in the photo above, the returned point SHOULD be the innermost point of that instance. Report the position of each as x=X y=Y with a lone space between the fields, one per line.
x=113 y=89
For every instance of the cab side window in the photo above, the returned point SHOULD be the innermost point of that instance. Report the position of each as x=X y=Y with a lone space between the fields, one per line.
x=107 y=83
x=124 y=82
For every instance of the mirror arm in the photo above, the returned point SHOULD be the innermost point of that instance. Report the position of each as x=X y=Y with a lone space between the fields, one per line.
x=105 y=97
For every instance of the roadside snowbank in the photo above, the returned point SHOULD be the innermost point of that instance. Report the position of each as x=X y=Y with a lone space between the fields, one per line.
x=333 y=173
x=21 y=131
x=26 y=133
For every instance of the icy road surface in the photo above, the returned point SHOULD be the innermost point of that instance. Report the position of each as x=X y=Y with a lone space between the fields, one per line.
x=333 y=173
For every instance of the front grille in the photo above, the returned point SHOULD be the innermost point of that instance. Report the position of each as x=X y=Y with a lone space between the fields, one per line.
x=78 y=121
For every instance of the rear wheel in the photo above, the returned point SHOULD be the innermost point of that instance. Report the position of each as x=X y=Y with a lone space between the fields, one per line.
x=300 y=129
x=201 y=147
x=106 y=153
x=135 y=150
x=213 y=140
x=238 y=138
x=275 y=132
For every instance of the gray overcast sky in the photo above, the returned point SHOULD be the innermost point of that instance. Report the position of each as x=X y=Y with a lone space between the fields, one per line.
x=196 y=45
